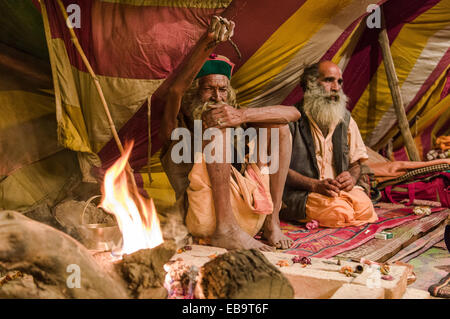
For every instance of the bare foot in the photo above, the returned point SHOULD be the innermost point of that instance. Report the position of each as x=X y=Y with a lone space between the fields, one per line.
x=237 y=239
x=272 y=232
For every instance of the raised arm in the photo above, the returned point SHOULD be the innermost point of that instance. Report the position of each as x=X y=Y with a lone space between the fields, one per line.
x=173 y=89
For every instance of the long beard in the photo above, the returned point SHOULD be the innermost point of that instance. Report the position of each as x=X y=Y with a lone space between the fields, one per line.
x=193 y=108
x=326 y=112
x=198 y=107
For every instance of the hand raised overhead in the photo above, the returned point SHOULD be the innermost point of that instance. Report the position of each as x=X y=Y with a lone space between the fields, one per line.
x=221 y=29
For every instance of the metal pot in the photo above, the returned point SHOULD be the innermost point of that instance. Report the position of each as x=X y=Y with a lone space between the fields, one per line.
x=101 y=237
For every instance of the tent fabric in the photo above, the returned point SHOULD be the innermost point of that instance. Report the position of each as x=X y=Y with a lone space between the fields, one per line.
x=41 y=182
x=133 y=45
x=419 y=37
x=273 y=60
x=274 y=69
x=130 y=46
x=22 y=28
x=33 y=167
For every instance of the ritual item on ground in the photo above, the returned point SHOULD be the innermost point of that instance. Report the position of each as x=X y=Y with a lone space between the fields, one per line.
x=301 y=260
x=384 y=235
x=385 y=269
x=312 y=225
x=422 y=210
x=181 y=279
x=337 y=262
x=348 y=271
x=144 y=270
x=411 y=275
x=283 y=263
x=368 y=262
x=359 y=269
x=242 y=274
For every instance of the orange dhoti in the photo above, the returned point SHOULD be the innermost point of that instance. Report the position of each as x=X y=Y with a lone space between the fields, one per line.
x=249 y=196
x=353 y=208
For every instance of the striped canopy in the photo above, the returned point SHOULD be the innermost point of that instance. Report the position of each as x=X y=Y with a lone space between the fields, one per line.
x=133 y=45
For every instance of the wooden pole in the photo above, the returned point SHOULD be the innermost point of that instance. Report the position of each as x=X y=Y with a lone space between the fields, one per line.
x=102 y=97
x=395 y=92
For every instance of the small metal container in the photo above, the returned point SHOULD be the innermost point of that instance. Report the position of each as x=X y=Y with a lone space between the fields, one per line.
x=99 y=237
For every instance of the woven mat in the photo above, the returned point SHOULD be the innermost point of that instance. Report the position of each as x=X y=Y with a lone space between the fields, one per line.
x=420 y=245
x=381 y=250
x=442 y=288
x=329 y=242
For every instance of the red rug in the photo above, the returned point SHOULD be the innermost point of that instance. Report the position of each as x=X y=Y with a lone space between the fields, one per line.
x=328 y=242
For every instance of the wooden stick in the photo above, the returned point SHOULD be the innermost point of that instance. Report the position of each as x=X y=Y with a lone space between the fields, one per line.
x=102 y=97
x=396 y=95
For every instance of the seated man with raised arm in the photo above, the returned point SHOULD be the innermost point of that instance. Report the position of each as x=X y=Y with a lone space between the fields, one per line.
x=226 y=208
x=327 y=153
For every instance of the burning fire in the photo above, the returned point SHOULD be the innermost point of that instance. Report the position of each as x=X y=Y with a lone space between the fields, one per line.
x=135 y=215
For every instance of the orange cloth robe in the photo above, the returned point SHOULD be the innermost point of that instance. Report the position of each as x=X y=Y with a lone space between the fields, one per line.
x=353 y=208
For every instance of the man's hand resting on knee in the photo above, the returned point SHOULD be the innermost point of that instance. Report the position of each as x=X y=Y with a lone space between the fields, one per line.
x=345 y=181
x=327 y=187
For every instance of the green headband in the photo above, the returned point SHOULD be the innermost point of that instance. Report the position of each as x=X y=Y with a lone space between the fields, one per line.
x=216 y=66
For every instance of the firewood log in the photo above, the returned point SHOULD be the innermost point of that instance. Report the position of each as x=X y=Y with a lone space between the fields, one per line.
x=242 y=274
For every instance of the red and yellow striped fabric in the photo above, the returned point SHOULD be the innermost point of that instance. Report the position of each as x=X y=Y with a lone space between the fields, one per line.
x=133 y=45
x=419 y=33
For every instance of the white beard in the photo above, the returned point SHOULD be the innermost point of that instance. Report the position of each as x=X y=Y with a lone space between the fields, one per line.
x=325 y=111
x=194 y=108
x=198 y=107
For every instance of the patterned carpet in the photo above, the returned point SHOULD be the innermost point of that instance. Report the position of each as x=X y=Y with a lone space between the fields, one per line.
x=329 y=242
x=405 y=237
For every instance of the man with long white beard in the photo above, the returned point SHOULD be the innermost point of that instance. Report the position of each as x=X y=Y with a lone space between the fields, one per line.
x=327 y=156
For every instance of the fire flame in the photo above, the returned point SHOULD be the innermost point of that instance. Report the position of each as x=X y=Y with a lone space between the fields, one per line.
x=135 y=215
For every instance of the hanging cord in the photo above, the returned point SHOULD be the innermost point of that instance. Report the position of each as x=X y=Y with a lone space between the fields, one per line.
x=149 y=116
